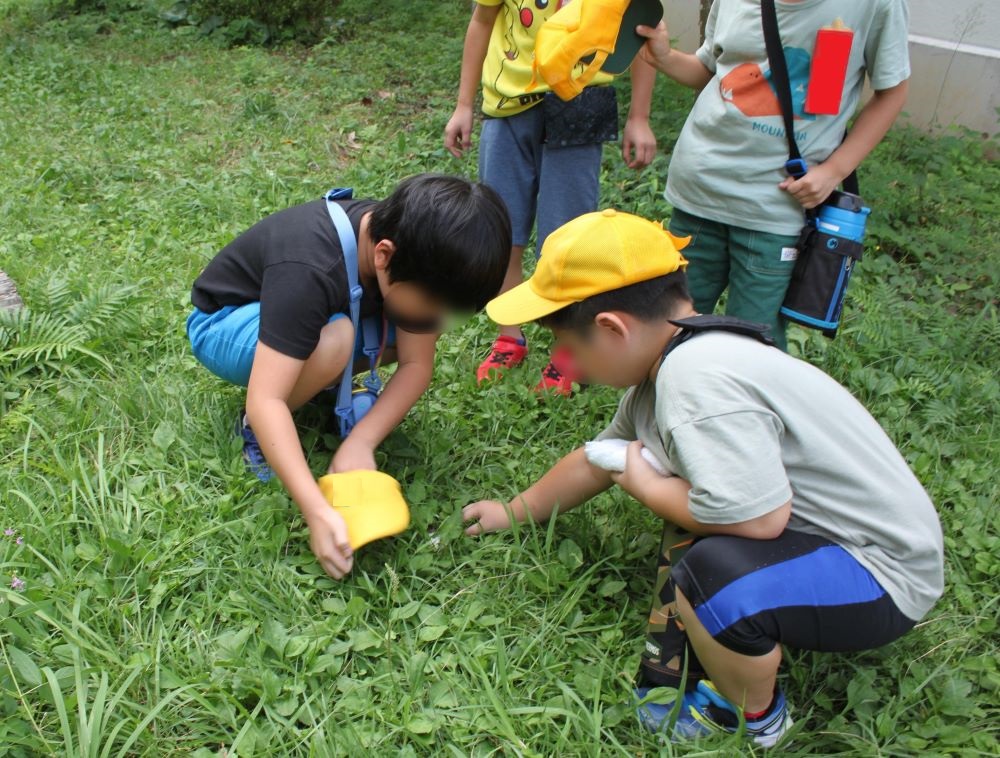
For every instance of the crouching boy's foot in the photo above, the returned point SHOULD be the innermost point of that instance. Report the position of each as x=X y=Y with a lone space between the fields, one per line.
x=704 y=711
x=505 y=353
x=253 y=456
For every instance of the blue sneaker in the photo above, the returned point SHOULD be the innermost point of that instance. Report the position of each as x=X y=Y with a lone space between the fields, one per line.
x=653 y=715
x=253 y=456
x=705 y=711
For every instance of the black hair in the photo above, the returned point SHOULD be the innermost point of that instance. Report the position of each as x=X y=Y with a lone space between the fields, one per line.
x=651 y=300
x=452 y=238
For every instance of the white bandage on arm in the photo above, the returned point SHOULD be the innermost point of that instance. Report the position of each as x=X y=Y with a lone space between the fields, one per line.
x=610 y=455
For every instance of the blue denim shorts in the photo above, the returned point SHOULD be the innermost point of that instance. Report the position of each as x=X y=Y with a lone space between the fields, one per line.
x=556 y=183
x=225 y=342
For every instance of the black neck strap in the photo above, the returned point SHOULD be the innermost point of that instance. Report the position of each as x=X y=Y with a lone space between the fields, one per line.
x=783 y=88
x=779 y=73
x=695 y=325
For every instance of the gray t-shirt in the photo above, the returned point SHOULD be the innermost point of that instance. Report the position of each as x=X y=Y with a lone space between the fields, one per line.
x=731 y=153
x=751 y=428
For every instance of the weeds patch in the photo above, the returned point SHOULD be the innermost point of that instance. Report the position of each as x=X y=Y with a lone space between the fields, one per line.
x=155 y=600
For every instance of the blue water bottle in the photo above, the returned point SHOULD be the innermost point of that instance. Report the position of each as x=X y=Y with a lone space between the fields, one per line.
x=830 y=246
x=843 y=214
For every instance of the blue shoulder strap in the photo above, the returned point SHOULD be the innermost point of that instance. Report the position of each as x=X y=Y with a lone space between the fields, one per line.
x=369 y=329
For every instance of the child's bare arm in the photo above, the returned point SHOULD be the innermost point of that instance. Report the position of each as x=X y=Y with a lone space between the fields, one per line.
x=638 y=140
x=458 y=132
x=272 y=380
x=869 y=129
x=572 y=481
x=411 y=379
x=684 y=68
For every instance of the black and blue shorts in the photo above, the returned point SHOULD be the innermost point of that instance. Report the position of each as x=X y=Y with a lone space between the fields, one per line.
x=798 y=590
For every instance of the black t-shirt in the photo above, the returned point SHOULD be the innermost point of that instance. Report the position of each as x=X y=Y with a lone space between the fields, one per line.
x=292 y=264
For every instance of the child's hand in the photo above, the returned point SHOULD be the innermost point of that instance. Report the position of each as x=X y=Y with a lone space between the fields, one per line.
x=458 y=131
x=813 y=188
x=329 y=542
x=639 y=139
x=487 y=515
x=352 y=456
x=638 y=474
x=657 y=48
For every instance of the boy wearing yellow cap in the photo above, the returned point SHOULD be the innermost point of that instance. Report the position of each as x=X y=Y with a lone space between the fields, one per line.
x=540 y=154
x=790 y=516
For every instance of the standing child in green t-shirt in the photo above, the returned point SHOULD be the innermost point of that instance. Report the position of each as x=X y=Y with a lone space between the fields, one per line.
x=542 y=156
x=726 y=179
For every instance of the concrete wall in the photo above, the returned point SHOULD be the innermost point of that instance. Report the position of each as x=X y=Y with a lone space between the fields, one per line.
x=954 y=54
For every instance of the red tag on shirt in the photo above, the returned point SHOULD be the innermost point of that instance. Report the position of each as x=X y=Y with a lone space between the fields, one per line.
x=828 y=71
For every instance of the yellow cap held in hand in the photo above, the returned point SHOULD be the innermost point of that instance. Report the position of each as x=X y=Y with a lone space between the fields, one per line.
x=580 y=29
x=593 y=253
x=370 y=502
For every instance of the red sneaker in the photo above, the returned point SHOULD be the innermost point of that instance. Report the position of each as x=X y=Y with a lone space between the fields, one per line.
x=558 y=376
x=506 y=353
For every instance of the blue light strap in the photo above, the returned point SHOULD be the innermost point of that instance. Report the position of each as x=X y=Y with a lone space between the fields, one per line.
x=349 y=246
x=372 y=347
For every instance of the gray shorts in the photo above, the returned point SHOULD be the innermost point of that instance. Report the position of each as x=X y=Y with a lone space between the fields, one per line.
x=537 y=180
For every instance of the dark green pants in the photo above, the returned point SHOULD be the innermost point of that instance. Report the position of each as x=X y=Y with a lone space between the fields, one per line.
x=748 y=262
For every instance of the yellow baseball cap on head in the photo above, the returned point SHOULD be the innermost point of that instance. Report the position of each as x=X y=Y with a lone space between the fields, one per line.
x=371 y=503
x=594 y=253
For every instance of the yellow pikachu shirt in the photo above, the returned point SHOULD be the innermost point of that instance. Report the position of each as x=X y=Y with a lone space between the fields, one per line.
x=507 y=68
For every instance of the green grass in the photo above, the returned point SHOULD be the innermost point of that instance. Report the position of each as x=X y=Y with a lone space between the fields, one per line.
x=172 y=605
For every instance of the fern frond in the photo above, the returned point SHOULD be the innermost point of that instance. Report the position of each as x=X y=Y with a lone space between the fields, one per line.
x=29 y=339
x=55 y=296
x=64 y=331
x=103 y=309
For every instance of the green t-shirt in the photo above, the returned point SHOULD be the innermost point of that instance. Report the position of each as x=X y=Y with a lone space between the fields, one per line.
x=730 y=156
x=751 y=428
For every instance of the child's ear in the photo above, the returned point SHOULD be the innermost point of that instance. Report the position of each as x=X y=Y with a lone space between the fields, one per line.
x=384 y=250
x=613 y=323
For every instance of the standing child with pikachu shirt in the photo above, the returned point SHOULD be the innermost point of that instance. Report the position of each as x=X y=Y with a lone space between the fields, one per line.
x=726 y=180
x=540 y=154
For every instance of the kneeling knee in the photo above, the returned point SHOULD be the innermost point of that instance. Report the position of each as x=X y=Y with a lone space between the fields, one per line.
x=335 y=346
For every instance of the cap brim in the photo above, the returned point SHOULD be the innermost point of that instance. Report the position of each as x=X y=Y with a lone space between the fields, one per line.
x=628 y=44
x=521 y=305
x=375 y=520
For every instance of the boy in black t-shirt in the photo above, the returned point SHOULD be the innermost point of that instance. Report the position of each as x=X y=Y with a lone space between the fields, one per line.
x=271 y=312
